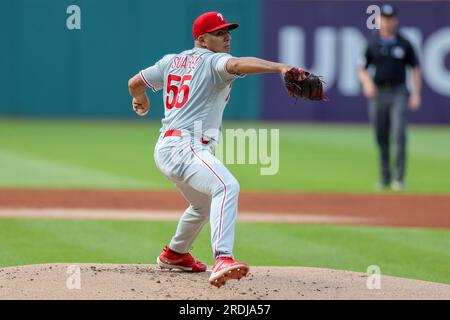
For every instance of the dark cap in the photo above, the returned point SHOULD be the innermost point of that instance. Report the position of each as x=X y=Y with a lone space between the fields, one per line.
x=388 y=10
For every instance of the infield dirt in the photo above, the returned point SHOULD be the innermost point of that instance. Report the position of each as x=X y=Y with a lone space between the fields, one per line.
x=405 y=210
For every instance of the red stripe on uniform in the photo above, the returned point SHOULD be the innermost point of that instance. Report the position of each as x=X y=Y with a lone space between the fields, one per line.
x=146 y=82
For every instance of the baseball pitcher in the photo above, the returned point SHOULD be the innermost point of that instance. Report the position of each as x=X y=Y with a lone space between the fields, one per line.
x=196 y=85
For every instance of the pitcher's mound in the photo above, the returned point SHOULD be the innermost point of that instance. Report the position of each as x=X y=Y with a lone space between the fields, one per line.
x=103 y=281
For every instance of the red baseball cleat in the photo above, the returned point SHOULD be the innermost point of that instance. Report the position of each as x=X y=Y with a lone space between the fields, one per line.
x=225 y=269
x=170 y=259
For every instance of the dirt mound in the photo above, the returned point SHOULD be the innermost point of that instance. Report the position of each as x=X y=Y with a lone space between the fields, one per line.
x=103 y=281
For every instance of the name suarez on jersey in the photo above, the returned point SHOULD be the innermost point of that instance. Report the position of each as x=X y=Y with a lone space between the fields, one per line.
x=188 y=62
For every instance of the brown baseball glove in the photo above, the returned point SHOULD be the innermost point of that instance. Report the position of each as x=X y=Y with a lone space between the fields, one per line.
x=303 y=84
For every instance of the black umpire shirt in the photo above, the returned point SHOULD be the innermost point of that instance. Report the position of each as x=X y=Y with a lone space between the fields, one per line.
x=390 y=58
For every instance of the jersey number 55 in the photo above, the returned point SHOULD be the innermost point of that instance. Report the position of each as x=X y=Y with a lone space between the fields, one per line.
x=179 y=86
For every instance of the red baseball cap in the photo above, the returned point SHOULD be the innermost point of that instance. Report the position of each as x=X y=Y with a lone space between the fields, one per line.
x=209 y=22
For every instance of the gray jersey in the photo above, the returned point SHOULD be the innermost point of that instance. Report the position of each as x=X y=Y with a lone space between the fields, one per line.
x=196 y=88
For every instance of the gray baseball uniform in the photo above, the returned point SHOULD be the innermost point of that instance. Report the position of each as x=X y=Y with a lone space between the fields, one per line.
x=196 y=88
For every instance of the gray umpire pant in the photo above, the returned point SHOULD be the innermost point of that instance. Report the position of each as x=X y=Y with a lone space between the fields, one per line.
x=388 y=113
x=209 y=187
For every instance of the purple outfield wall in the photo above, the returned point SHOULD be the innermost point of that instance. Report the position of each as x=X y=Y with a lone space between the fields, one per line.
x=328 y=37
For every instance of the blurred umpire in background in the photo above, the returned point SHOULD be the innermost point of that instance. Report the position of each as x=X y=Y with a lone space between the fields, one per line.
x=389 y=100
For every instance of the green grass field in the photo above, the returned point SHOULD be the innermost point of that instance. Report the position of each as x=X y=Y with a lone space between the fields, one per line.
x=313 y=158
x=412 y=253
x=114 y=154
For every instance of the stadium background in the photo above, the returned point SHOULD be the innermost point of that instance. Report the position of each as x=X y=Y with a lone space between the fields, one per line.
x=79 y=69
x=66 y=123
